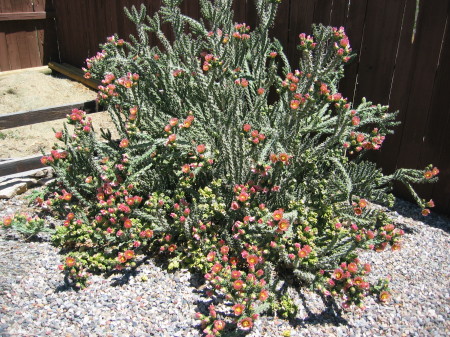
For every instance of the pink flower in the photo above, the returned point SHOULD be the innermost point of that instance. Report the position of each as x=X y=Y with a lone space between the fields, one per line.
x=235 y=274
x=355 y=120
x=201 y=148
x=246 y=127
x=235 y=206
x=216 y=268
x=352 y=267
x=224 y=250
x=210 y=257
x=171 y=138
x=238 y=284
x=219 y=325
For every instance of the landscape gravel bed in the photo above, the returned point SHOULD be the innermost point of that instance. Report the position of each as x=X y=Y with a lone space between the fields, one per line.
x=34 y=300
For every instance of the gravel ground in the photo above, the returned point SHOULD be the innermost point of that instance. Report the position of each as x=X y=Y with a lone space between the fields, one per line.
x=34 y=300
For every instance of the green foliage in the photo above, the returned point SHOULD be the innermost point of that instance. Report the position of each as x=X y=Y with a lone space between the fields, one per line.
x=229 y=162
x=28 y=226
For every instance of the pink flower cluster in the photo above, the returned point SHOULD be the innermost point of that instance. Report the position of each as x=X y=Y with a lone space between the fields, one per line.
x=342 y=44
x=242 y=31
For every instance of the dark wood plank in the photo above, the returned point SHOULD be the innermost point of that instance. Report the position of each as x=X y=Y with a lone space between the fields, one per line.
x=354 y=27
x=401 y=87
x=21 y=118
x=322 y=11
x=428 y=40
x=338 y=14
x=435 y=148
x=5 y=6
x=4 y=57
x=240 y=8
x=281 y=29
x=20 y=165
x=12 y=45
x=377 y=55
x=20 y=16
x=300 y=19
x=74 y=73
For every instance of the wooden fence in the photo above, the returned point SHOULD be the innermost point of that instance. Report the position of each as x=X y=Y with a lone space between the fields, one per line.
x=27 y=34
x=403 y=60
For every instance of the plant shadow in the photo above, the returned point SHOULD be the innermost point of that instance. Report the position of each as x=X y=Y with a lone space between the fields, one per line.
x=331 y=314
x=409 y=210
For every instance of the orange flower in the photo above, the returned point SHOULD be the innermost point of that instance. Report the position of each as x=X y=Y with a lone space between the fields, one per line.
x=425 y=212
x=357 y=210
x=263 y=295
x=273 y=158
x=219 y=325
x=235 y=274
x=70 y=261
x=283 y=157
x=243 y=197
x=283 y=225
x=201 y=148
x=238 y=309
x=362 y=203
x=7 y=221
x=294 y=104
x=278 y=214
x=129 y=254
x=252 y=260
x=435 y=171
x=428 y=175
x=352 y=267
x=233 y=261
x=358 y=281
x=338 y=274
x=384 y=296
x=216 y=268
x=122 y=258
x=246 y=323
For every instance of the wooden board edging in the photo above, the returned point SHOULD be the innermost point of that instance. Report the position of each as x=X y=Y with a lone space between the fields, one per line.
x=74 y=73
x=20 y=165
x=22 y=118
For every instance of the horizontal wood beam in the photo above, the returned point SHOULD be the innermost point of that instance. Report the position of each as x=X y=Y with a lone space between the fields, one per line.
x=40 y=69
x=21 y=118
x=19 y=16
x=74 y=73
x=20 y=165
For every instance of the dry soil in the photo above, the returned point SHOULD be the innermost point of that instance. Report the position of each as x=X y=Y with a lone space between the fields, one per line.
x=30 y=90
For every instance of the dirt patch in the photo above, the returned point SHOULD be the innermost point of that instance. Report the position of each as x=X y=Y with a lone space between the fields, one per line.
x=34 y=90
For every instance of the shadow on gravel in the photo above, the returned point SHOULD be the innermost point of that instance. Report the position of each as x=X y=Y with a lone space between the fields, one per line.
x=412 y=211
x=331 y=314
x=125 y=276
